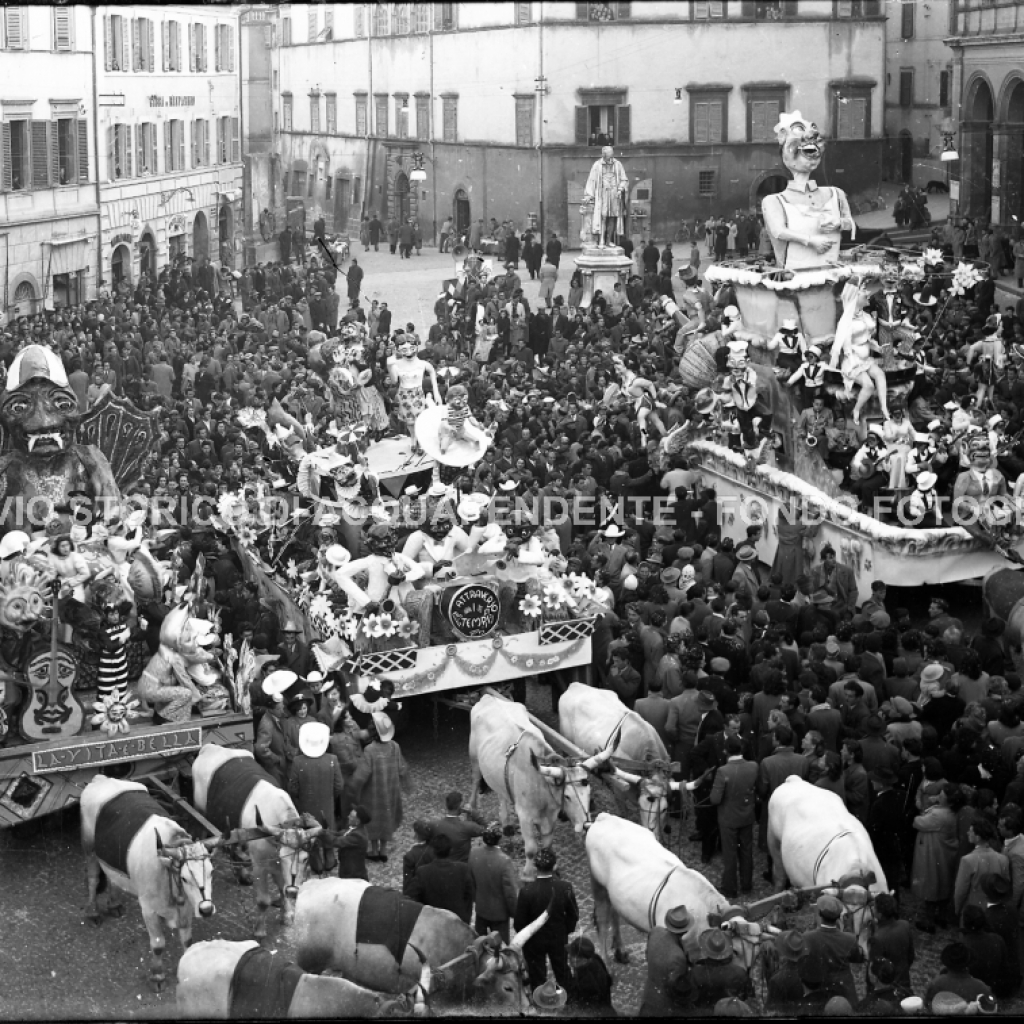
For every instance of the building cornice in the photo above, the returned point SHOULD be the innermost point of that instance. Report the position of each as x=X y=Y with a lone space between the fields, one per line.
x=973 y=42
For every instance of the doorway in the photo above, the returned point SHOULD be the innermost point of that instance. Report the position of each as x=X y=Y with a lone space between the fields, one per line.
x=24 y=299
x=121 y=266
x=341 y=194
x=147 y=255
x=771 y=186
x=906 y=158
x=402 y=198
x=200 y=237
x=224 y=236
x=461 y=213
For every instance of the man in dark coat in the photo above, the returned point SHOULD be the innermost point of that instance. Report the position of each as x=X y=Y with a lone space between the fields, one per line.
x=284 y=242
x=354 y=276
x=733 y=794
x=550 y=941
x=553 y=250
x=461 y=830
x=444 y=882
x=1001 y=918
x=831 y=951
x=885 y=826
x=668 y=990
x=893 y=939
x=716 y=975
x=375 y=229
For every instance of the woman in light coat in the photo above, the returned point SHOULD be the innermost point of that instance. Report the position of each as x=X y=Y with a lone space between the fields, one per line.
x=935 y=857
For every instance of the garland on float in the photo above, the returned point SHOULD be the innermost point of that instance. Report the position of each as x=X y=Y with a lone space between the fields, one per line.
x=479 y=670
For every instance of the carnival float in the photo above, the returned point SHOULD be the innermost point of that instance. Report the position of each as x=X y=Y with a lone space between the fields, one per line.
x=81 y=582
x=821 y=319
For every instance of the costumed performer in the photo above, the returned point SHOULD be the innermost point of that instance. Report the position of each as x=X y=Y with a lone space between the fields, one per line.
x=852 y=352
x=407 y=370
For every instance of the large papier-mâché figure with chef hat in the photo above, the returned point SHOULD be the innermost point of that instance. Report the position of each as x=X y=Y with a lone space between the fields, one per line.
x=53 y=455
x=804 y=221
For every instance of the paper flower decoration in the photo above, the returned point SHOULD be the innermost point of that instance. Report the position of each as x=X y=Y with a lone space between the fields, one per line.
x=554 y=597
x=933 y=257
x=373 y=626
x=246 y=536
x=387 y=624
x=965 y=277
x=320 y=606
x=113 y=714
x=408 y=629
x=530 y=605
x=292 y=572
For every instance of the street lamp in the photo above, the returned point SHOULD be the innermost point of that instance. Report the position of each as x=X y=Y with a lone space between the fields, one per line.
x=947 y=129
x=417 y=173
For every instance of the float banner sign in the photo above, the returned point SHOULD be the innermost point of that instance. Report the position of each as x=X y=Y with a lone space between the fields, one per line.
x=115 y=750
x=472 y=610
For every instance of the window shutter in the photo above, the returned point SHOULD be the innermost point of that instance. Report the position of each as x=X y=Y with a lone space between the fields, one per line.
x=5 y=164
x=140 y=147
x=715 y=121
x=438 y=18
x=136 y=46
x=217 y=47
x=858 y=118
x=62 y=28
x=845 y=8
x=165 y=44
x=625 y=10
x=206 y=143
x=700 y=10
x=191 y=47
x=582 y=11
x=40 y=154
x=83 y=150
x=748 y=9
x=168 y=151
x=229 y=35
x=236 y=144
x=700 y=122
x=126 y=55
x=623 y=125
x=195 y=148
x=772 y=111
x=757 y=119
x=55 y=155
x=357 y=17
x=127 y=130
x=111 y=155
x=150 y=45
x=108 y=44
x=15 y=29
x=181 y=145
x=582 y=126
x=154 y=169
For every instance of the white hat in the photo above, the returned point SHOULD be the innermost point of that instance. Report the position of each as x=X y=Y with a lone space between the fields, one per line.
x=36 y=361
x=437 y=490
x=935 y=425
x=314 y=738
x=614 y=531
x=314 y=677
x=469 y=510
x=732 y=312
x=338 y=556
x=13 y=543
x=926 y=481
x=789 y=324
x=277 y=682
x=384 y=726
x=995 y=419
x=630 y=583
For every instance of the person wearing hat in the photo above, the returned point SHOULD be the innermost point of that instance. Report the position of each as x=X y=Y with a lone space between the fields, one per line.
x=831 y=951
x=733 y=793
x=351 y=845
x=590 y=984
x=378 y=783
x=668 y=990
x=272 y=747
x=810 y=375
x=460 y=825
x=558 y=897
x=549 y=997
x=293 y=651
x=419 y=853
x=923 y=507
x=315 y=782
x=789 y=344
x=716 y=975
x=1001 y=920
x=955 y=977
x=785 y=988
x=495 y=882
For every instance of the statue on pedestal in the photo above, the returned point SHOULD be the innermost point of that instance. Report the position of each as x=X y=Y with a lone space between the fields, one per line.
x=805 y=221
x=605 y=199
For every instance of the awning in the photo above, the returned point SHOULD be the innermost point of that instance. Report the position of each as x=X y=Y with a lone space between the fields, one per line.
x=231 y=194
x=68 y=255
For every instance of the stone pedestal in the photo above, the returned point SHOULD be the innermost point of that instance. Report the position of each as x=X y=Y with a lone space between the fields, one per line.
x=601 y=267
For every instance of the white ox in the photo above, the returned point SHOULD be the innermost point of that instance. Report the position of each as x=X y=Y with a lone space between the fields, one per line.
x=264 y=818
x=206 y=976
x=506 y=750
x=817 y=843
x=591 y=719
x=139 y=850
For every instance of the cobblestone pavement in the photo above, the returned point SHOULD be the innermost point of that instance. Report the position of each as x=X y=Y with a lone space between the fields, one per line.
x=55 y=965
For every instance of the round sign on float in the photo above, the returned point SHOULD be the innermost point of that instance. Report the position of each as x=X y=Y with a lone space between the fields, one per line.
x=472 y=610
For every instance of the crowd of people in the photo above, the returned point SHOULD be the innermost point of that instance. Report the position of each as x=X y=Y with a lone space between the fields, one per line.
x=916 y=725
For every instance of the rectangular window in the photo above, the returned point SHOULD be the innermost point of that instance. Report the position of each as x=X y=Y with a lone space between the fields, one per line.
x=400 y=25
x=332 y=114
x=67 y=150
x=223 y=140
x=63 y=28
x=145 y=149
x=381 y=116
x=358 y=22
x=402 y=117
x=328 y=188
x=120 y=150
x=311 y=22
x=944 y=79
x=422 y=117
x=115 y=44
x=858 y=8
x=328 y=21
x=907 y=20
x=361 y=116
x=852 y=117
x=421 y=13
x=380 y=19
x=596 y=124
x=709 y=9
x=200 y=143
x=314 y=112
x=16 y=28
x=763 y=116
x=172 y=46
x=445 y=17
x=906 y=87
x=523 y=14
x=286 y=31
x=596 y=11
x=708 y=115
x=174 y=145
x=524 y=120
x=450 y=113
x=706 y=182
x=286 y=112
x=225 y=48
x=15 y=163
x=68 y=289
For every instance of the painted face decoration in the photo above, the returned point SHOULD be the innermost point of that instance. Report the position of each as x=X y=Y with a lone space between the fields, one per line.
x=801 y=142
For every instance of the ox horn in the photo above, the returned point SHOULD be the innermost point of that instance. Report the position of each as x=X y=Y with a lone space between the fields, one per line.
x=558 y=774
x=524 y=935
x=592 y=763
x=421 y=1006
x=270 y=829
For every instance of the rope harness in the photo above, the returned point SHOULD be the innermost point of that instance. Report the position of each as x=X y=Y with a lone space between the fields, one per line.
x=652 y=908
x=508 y=765
x=824 y=854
